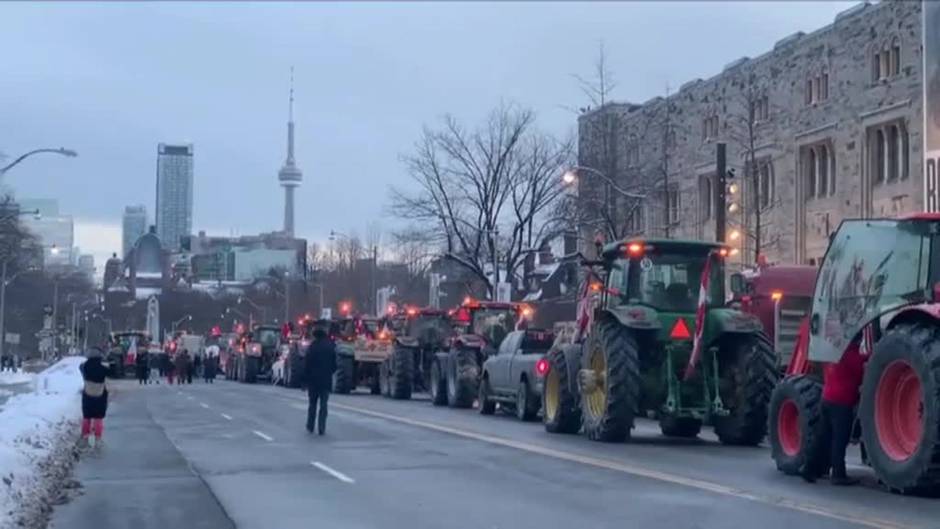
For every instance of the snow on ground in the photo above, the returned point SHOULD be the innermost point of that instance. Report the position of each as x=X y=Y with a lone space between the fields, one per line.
x=32 y=424
x=20 y=377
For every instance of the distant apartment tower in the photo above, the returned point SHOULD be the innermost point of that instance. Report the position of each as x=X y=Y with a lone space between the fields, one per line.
x=133 y=225
x=174 y=213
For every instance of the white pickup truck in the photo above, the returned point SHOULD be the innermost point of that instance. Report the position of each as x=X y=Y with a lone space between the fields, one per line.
x=513 y=376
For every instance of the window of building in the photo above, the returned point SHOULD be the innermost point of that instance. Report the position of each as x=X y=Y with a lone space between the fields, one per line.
x=710 y=128
x=635 y=222
x=672 y=204
x=888 y=152
x=705 y=197
x=886 y=61
x=817 y=88
x=633 y=151
x=895 y=62
x=765 y=183
x=819 y=168
x=761 y=109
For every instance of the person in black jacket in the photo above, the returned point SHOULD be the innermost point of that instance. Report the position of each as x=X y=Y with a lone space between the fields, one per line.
x=319 y=366
x=94 y=396
x=143 y=367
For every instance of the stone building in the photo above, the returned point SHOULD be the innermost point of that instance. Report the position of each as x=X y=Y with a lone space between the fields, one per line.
x=823 y=127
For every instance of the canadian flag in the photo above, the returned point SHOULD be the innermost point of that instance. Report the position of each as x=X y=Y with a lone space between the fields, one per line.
x=585 y=306
x=700 y=317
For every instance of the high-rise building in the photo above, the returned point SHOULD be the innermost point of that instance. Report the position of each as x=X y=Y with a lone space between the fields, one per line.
x=174 y=213
x=86 y=264
x=55 y=232
x=133 y=225
x=290 y=175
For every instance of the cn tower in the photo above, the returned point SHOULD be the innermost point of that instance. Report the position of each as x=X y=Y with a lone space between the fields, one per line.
x=290 y=175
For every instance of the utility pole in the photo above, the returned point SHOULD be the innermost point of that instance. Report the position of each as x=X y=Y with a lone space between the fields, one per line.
x=721 y=206
x=3 y=309
x=372 y=295
x=286 y=297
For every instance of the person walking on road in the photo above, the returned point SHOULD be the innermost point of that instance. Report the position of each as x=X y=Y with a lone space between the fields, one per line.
x=142 y=366
x=94 y=397
x=841 y=383
x=319 y=366
x=209 y=364
x=182 y=366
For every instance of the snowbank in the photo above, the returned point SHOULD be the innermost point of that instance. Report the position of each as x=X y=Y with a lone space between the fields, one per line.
x=20 y=377
x=32 y=423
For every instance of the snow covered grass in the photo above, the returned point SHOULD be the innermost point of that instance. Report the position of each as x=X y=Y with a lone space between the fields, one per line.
x=33 y=426
x=20 y=377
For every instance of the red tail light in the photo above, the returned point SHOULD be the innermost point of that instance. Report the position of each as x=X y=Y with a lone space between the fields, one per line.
x=542 y=367
x=680 y=331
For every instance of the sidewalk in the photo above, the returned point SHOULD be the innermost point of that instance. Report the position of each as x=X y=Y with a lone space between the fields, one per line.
x=139 y=480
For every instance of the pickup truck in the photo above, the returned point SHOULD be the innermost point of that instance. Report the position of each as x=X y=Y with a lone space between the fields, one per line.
x=513 y=376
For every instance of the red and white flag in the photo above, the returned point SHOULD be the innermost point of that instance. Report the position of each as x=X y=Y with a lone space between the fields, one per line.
x=700 y=317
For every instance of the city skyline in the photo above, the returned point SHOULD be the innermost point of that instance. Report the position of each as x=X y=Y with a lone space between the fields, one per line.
x=365 y=117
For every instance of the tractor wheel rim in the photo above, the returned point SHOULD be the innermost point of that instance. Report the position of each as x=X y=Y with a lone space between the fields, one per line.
x=899 y=405
x=552 y=395
x=597 y=399
x=788 y=428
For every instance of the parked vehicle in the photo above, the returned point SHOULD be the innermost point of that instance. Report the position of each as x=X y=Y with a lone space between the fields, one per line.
x=418 y=335
x=655 y=338
x=780 y=297
x=480 y=328
x=256 y=354
x=879 y=291
x=513 y=377
x=360 y=350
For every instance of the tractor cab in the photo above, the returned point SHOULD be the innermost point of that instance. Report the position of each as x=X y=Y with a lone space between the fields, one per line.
x=490 y=321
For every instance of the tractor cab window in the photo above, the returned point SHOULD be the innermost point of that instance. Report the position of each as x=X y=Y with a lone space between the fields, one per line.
x=671 y=281
x=267 y=337
x=493 y=324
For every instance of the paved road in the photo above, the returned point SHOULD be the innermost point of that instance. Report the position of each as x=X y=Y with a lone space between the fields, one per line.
x=235 y=455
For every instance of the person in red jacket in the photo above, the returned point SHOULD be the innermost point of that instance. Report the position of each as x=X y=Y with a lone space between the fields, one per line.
x=841 y=383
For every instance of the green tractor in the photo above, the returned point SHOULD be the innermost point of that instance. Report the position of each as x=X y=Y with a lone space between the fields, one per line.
x=635 y=353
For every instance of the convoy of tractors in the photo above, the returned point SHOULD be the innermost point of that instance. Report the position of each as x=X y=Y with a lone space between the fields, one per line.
x=657 y=337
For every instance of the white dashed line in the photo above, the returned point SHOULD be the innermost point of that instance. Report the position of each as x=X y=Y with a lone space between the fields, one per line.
x=226 y=417
x=335 y=473
x=263 y=435
x=204 y=405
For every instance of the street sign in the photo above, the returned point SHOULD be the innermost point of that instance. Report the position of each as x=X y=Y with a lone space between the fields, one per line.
x=12 y=338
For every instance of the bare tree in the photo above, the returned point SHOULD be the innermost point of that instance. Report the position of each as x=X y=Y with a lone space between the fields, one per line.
x=484 y=195
x=601 y=83
x=750 y=108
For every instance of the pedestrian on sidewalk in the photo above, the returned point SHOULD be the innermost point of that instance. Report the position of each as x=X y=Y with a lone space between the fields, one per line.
x=319 y=366
x=94 y=397
x=841 y=383
x=142 y=366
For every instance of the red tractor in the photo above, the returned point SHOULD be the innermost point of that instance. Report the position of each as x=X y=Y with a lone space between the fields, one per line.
x=780 y=296
x=480 y=328
x=878 y=290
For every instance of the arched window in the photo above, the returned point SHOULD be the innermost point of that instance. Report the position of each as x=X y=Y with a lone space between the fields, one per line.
x=879 y=161
x=766 y=184
x=705 y=198
x=895 y=61
x=904 y=146
x=811 y=168
x=893 y=148
x=822 y=178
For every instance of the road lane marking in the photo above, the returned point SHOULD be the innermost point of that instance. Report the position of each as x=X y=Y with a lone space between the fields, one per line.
x=639 y=471
x=335 y=473
x=226 y=416
x=204 y=405
x=263 y=435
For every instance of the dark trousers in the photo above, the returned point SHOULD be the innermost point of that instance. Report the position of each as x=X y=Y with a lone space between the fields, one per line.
x=315 y=417
x=835 y=432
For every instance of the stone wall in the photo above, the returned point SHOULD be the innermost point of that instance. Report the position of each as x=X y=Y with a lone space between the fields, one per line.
x=815 y=97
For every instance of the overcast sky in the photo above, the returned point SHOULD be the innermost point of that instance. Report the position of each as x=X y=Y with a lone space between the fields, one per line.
x=112 y=80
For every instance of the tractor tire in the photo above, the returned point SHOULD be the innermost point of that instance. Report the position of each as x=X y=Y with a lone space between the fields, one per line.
x=462 y=380
x=252 y=365
x=685 y=427
x=561 y=411
x=383 y=379
x=401 y=376
x=900 y=409
x=745 y=389
x=487 y=405
x=607 y=412
x=438 y=387
x=795 y=415
x=343 y=377
x=527 y=407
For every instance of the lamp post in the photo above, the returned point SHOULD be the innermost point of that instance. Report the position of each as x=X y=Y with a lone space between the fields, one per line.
x=176 y=323
x=262 y=310
x=61 y=151
x=570 y=177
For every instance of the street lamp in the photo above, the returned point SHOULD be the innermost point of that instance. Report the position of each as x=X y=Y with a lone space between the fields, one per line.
x=179 y=321
x=570 y=177
x=61 y=151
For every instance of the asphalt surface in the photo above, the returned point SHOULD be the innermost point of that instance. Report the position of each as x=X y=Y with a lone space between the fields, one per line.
x=237 y=455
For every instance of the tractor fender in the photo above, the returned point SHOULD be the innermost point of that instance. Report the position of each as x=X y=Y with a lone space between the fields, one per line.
x=634 y=316
x=725 y=320
x=921 y=311
x=406 y=341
